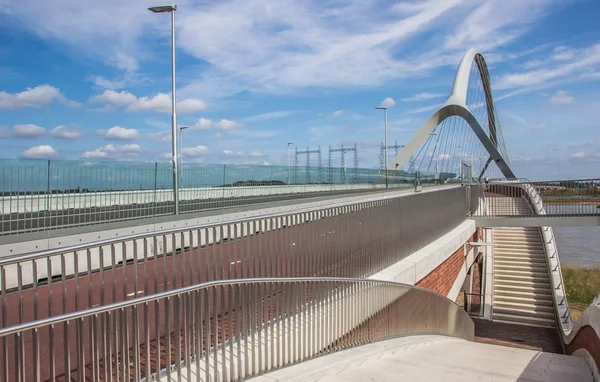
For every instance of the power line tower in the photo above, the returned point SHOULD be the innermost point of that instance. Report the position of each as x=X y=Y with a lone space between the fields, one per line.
x=307 y=152
x=343 y=150
x=395 y=146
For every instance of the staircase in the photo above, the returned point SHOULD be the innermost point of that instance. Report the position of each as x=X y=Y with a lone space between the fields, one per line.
x=507 y=206
x=522 y=292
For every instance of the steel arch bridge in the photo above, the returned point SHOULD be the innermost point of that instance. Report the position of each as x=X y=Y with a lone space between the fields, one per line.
x=468 y=120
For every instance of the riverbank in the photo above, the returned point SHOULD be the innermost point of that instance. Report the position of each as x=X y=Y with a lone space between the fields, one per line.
x=582 y=284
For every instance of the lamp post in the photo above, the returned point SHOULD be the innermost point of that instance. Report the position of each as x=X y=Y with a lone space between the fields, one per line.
x=289 y=168
x=171 y=8
x=181 y=128
x=384 y=108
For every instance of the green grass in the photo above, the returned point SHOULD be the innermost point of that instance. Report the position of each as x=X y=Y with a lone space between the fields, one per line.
x=581 y=285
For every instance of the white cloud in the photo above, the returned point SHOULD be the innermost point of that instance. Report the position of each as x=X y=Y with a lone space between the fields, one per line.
x=64 y=132
x=40 y=152
x=38 y=96
x=327 y=44
x=561 y=96
x=541 y=126
x=106 y=83
x=337 y=113
x=256 y=154
x=114 y=98
x=113 y=152
x=195 y=151
x=121 y=133
x=160 y=103
x=424 y=109
x=28 y=131
x=578 y=155
x=388 y=102
x=226 y=124
x=583 y=61
x=202 y=124
x=233 y=153
x=270 y=115
x=562 y=53
x=159 y=137
x=423 y=97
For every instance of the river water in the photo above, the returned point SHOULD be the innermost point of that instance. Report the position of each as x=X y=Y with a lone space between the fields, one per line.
x=577 y=245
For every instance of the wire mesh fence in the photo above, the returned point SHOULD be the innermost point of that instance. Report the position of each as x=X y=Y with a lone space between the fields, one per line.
x=50 y=195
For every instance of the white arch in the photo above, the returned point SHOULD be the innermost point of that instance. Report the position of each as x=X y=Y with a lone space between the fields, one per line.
x=456 y=105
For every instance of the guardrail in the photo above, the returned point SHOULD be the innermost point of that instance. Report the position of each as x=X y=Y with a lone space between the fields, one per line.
x=570 y=198
x=352 y=239
x=43 y=195
x=223 y=330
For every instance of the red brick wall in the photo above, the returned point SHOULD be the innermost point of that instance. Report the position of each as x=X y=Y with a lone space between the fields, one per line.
x=442 y=278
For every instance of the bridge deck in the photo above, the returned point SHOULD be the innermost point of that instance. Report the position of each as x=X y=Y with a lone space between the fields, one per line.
x=436 y=358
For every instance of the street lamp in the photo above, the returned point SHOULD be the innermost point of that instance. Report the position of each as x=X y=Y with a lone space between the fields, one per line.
x=289 y=168
x=181 y=128
x=384 y=108
x=171 y=8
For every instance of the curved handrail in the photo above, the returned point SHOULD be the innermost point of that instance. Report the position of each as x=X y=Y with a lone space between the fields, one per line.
x=209 y=324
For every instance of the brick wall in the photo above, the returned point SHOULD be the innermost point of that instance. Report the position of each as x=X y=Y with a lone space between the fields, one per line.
x=442 y=278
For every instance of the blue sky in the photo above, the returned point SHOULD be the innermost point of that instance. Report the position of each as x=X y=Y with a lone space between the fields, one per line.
x=90 y=80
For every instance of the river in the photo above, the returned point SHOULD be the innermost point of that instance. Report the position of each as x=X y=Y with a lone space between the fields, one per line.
x=576 y=245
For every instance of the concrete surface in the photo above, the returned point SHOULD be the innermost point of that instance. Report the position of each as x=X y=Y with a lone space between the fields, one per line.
x=435 y=358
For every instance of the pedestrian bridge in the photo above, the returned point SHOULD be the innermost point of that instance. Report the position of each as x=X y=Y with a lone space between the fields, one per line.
x=419 y=283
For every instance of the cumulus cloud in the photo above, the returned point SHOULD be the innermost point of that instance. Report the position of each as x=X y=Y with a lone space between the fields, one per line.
x=202 y=124
x=561 y=96
x=121 y=133
x=160 y=103
x=337 y=113
x=40 y=152
x=256 y=154
x=113 y=152
x=233 y=153
x=195 y=151
x=28 y=131
x=388 y=102
x=38 y=96
x=64 y=132
x=226 y=124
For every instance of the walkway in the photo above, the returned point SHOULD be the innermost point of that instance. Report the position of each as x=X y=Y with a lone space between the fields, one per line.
x=435 y=358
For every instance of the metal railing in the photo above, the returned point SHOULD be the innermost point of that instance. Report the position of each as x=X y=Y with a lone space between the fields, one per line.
x=569 y=198
x=223 y=330
x=352 y=239
x=49 y=195
x=474 y=304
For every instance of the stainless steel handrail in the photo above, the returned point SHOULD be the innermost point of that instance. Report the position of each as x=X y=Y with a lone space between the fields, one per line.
x=224 y=330
x=345 y=240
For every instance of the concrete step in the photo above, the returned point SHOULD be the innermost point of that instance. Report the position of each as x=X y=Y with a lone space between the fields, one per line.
x=523 y=285
x=508 y=252
x=524 y=320
x=526 y=247
x=501 y=238
x=520 y=260
x=520 y=274
x=522 y=266
x=519 y=310
x=538 y=295
x=523 y=303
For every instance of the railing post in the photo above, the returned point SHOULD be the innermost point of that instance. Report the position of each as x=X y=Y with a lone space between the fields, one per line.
x=155 y=188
